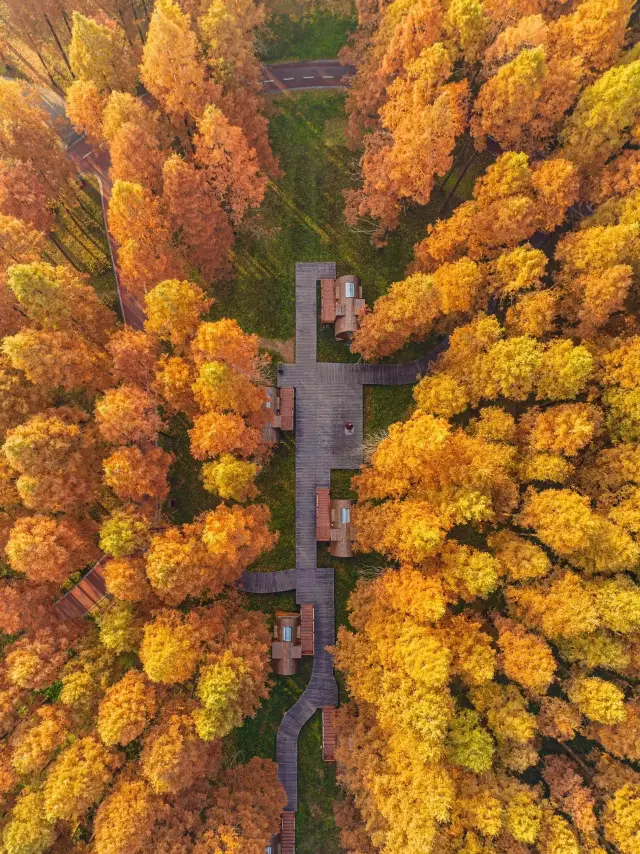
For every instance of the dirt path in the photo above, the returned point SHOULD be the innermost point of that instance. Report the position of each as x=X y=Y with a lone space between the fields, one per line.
x=287 y=349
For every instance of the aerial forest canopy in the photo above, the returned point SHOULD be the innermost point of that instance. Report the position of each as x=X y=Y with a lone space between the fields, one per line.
x=113 y=726
x=493 y=667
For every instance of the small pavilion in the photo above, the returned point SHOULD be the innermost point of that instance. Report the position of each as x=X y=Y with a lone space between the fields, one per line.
x=280 y=407
x=341 y=303
x=333 y=523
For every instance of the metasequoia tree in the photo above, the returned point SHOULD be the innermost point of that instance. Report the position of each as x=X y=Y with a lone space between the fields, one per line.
x=171 y=45
x=134 y=356
x=137 y=155
x=196 y=212
x=84 y=106
x=48 y=549
x=128 y=415
x=232 y=167
x=421 y=121
x=511 y=201
x=174 y=309
x=138 y=475
x=60 y=299
x=27 y=136
x=57 y=460
x=127 y=708
x=604 y=118
x=100 y=53
x=139 y=224
x=24 y=196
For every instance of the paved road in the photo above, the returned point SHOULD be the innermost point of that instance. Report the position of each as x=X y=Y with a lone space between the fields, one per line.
x=319 y=74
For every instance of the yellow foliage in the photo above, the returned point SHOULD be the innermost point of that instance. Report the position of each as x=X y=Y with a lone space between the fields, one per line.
x=524 y=817
x=526 y=658
x=78 y=779
x=126 y=709
x=28 y=830
x=230 y=478
x=597 y=699
x=520 y=559
x=440 y=394
x=170 y=647
x=622 y=818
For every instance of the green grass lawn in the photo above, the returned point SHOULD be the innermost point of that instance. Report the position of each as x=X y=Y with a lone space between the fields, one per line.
x=318 y=35
x=302 y=220
x=79 y=238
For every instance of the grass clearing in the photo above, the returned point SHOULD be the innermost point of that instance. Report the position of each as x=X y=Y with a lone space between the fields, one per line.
x=79 y=238
x=302 y=219
x=317 y=35
x=384 y=405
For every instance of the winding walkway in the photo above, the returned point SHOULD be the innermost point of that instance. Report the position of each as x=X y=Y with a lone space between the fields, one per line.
x=327 y=395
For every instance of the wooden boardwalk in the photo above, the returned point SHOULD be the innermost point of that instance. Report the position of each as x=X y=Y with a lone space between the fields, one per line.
x=267 y=582
x=327 y=395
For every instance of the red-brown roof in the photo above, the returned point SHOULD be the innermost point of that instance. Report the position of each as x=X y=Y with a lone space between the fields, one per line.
x=84 y=596
x=327 y=300
x=287 y=404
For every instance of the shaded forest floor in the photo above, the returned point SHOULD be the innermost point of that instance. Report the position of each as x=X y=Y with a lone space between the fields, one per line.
x=318 y=35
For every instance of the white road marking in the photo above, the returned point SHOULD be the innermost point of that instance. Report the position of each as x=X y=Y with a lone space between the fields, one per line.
x=88 y=154
x=328 y=77
x=268 y=81
x=309 y=78
x=288 y=78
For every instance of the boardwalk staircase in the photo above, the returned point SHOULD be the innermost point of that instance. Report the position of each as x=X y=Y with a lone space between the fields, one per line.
x=288 y=832
x=307 y=628
x=323 y=514
x=329 y=733
x=84 y=596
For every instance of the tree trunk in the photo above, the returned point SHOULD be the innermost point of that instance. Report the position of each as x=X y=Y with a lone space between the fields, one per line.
x=46 y=68
x=57 y=41
x=455 y=162
x=124 y=27
x=455 y=186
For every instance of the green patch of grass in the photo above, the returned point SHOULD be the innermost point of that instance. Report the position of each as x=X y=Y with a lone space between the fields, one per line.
x=341 y=483
x=186 y=492
x=302 y=219
x=318 y=35
x=384 y=405
x=278 y=491
x=257 y=736
x=317 y=790
x=79 y=238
